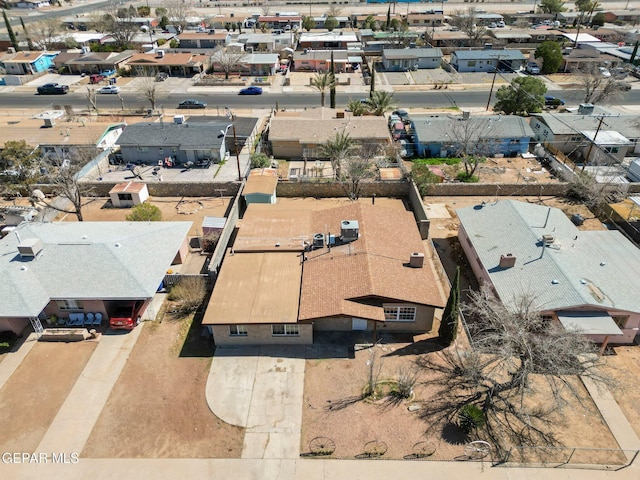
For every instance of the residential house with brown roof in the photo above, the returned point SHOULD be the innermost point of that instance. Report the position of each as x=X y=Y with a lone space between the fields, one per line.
x=174 y=64
x=296 y=269
x=295 y=135
x=94 y=62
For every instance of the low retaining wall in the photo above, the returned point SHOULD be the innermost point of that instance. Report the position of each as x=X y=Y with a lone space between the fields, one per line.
x=167 y=189
x=331 y=189
x=495 y=189
x=64 y=335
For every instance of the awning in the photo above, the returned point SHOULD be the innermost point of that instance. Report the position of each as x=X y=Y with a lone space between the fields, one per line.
x=589 y=323
x=354 y=59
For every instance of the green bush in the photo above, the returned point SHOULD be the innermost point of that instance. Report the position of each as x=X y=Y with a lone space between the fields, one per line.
x=145 y=212
x=437 y=161
x=464 y=177
x=470 y=418
x=260 y=160
x=188 y=294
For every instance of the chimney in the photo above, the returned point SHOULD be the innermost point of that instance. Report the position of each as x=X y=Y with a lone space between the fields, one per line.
x=416 y=260
x=507 y=261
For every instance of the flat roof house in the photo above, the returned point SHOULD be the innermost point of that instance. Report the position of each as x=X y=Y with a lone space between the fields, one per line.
x=327 y=40
x=353 y=267
x=403 y=59
x=587 y=280
x=295 y=135
x=492 y=134
x=75 y=267
x=487 y=60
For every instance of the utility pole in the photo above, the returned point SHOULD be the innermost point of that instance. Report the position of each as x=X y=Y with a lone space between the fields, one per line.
x=584 y=164
x=232 y=117
x=493 y=82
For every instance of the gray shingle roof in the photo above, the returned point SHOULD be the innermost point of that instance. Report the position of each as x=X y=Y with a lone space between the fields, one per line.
x=439 y=129
x=187 y=135
x=86 y=260
x=596 y=268
x=569 y=124
x=400 y=53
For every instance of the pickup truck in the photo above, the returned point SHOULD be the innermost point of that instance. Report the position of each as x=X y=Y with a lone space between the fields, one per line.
x=125 y=317
x=53 y=89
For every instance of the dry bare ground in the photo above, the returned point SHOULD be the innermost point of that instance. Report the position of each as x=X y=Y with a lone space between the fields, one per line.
x=157 y=408
x=626 y=370
x=331 y=410
x=35 y=392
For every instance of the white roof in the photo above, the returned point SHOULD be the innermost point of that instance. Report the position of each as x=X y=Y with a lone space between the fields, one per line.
x=606 y=137
x=86 y=260
x=582 y=37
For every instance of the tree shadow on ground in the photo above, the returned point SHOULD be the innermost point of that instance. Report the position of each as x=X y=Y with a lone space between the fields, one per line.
x=452 y=434
x=429 y=345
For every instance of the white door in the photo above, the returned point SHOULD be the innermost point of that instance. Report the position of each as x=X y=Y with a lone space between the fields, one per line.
x=358 y=324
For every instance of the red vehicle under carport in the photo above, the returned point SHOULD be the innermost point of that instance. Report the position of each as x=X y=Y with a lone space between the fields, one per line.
x=126 y=316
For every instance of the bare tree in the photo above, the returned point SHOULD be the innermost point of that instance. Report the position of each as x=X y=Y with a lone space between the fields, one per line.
x=228 y=61
x=178 y=11
x=118 y=21
x=355 y=170
x=265 y=8
x=148 y=89
x=469 y=143
x=333 y=10
x=45 y=33
x=71 y=194
x=523 y=368
x=92 y=99
x=467 y=22
x=595 y=87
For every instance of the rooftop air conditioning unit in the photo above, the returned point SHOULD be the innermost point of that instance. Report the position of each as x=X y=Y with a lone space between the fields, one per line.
x=30 y=247
x=49 y=122
x=585 y=109
x=160 y=54
x=349 y=230
x=85 y=50
x=507 y=261
x=318 y=240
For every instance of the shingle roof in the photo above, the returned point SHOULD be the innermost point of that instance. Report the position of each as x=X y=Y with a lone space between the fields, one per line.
x=86 y=260
x=187 y=135
x=569 y=124
x=399 y=53
x=595 y=268
x=439 y=129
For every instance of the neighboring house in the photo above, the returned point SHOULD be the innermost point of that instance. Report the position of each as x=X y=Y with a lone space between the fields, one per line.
x=583 y=57
x=565 y=131
x=96 y=62
x=336 y=40
x=343 y=22
x=145 y=41
x=493 y=134
x=622 y=16
x=257 y=64
x=523 y=38
x=173 y=144
x=353 y=267
x=56 y=139
x=320 y=60
x=395 y=60
x=84 y=267
x=173 y=64
x=27 y=63
x=487 y=60
x=294 y=135
x=265 y=42
x=450 y=41
x=280 y=22
x=32 y=4
x=586 y=280
x=424 y=19
x=204 y=40
x=608 y=147
x=81 y=39
x=128 y=194
x=261 y=186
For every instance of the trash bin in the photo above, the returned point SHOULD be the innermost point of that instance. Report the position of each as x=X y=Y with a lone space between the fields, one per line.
x=577 y=219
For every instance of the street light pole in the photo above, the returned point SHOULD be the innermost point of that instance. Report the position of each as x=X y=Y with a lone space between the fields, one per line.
x=232 y=117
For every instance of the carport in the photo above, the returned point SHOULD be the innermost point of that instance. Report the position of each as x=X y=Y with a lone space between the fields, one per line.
x=593 y=324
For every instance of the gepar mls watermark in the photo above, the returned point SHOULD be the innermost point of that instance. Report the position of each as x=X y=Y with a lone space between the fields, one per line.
x=40 y=457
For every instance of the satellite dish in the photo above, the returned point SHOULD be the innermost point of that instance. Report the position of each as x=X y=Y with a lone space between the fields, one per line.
x=38 y=195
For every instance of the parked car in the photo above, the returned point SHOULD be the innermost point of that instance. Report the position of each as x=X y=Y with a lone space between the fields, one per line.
x=53 y=89
x=161 y=77
x=251 y=91
x=552 y=102
x=124 y=317
x=501 y=24
x=109 y=89
x=191 y=103
x=604 y=72
x=533 y=68
x=96 y=78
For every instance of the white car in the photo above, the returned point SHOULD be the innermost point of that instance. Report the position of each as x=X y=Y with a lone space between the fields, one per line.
x=109 y=89
x=604 y=72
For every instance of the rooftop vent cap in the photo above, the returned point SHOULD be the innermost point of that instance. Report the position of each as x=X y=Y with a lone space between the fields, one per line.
x=548 y=239
x=30 y=247
x=507 y=261
x=416 y=260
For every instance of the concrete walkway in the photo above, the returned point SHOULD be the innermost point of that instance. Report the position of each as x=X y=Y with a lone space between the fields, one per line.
x=261 y=389
x=74 y=422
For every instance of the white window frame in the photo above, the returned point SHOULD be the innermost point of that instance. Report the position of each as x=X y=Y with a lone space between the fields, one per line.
x=69 y=305
x=400 y=313
x=238 y=331
x=289 y=330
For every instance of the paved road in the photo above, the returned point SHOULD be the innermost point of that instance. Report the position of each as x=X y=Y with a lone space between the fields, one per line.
x=467 y=98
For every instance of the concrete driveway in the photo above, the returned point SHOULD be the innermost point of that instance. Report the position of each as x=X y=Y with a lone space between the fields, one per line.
x=261 y=389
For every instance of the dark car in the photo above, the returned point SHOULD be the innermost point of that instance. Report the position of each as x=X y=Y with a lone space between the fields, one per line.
x=192 y=104
x=250 y=91
x=53 y=89
x=552 y=102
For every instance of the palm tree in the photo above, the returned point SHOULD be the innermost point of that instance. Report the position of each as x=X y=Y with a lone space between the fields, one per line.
x=357 y=108
x=337 y=149
x=380 y=103
x=322 y=82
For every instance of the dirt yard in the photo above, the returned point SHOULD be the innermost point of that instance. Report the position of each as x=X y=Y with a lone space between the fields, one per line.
x=625 y=368
x=33 y=395
x=157 y=408
x=330 y=410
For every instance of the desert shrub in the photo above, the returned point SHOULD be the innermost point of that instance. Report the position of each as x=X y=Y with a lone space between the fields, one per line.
x=470 y=418
x=466 y=178
x=406 y=381
x=210 y=240
x=187 y=295
x=260 y=160
x=145 y=212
